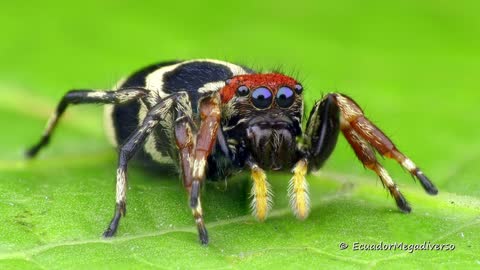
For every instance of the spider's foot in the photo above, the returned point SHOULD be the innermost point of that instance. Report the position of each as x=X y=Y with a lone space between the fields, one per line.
x=426 y=183
x=109 y=233
x=203 y=235
x=401 y=202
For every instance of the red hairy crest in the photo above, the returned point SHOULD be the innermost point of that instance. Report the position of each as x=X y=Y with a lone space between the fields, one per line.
x=272 y=81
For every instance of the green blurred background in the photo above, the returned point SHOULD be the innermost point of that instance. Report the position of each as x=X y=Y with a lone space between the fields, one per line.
x=412 y=65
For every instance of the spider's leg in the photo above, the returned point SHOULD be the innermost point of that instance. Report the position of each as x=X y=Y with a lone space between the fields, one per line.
x=84 y=97
x=186 y=142
x=321 y=132
x=127 y=151
x=209 y=110
x=261 y=192
x=320 y=138
x=366 y=155
x=184 y=138
x=352 y=116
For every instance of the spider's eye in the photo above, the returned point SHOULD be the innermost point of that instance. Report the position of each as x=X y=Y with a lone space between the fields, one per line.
x=242 y=91
x=298 y=88
x=285 y=97
x=262 y=98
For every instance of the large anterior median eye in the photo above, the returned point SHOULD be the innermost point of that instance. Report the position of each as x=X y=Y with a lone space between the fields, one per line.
x=262 y=98
x=285 y=97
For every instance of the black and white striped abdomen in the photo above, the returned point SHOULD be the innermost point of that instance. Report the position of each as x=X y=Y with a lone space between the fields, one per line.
x=196 y=77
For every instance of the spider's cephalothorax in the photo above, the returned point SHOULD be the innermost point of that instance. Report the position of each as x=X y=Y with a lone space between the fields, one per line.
x=213 y=118
x=263 y=114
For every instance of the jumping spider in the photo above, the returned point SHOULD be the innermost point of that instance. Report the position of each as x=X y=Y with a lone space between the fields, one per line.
x=213 y=118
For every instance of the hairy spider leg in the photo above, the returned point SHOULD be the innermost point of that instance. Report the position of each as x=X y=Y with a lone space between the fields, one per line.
x=353 y=116
x=133 y=143
x=261 y=192
x=366 y=155
x=298 y=190
x=209 y=111
x=84 y=97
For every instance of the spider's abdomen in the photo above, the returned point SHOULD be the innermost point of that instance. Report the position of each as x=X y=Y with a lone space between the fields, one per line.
x=195 y=77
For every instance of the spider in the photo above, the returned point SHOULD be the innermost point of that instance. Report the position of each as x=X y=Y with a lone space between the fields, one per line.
x=213 y=118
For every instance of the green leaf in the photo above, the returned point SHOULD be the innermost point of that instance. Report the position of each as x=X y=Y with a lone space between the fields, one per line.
x=413 y=67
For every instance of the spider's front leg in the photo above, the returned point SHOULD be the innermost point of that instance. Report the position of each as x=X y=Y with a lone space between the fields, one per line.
x=339 y=112
x=209 y=110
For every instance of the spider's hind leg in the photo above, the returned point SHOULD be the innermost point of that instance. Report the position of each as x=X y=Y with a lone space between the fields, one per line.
x=83 y=97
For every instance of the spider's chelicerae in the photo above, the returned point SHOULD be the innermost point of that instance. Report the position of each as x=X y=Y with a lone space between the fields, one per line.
x=213 y=118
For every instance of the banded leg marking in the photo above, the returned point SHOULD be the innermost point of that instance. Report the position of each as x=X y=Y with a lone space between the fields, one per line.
x=209 y=110
x=127 y=151
x=185 y=138
x=83 y=97
x=186 y=142
x=355 y=118
x=366 y=155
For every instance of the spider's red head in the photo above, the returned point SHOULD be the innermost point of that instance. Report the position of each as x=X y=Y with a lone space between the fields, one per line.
x=267 y=109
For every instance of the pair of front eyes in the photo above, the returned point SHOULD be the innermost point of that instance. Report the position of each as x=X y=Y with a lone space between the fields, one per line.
x=262 y=97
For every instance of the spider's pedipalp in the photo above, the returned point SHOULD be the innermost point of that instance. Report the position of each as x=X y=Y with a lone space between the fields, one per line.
x=261 y=193
x=298 y=190
x=352 y=115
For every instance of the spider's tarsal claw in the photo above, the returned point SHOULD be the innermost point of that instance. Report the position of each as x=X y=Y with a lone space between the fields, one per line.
x=400 y=200
x=415 y=171
x=426 y=183
x=298 y=190
x=202 y=231
x=33 y=151
x=112 y=227
x=203 y=235
x=392 y=187
x=108 y=233
x=261 y=194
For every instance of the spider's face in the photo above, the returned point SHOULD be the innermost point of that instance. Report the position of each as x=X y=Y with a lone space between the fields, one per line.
x=267 y=110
